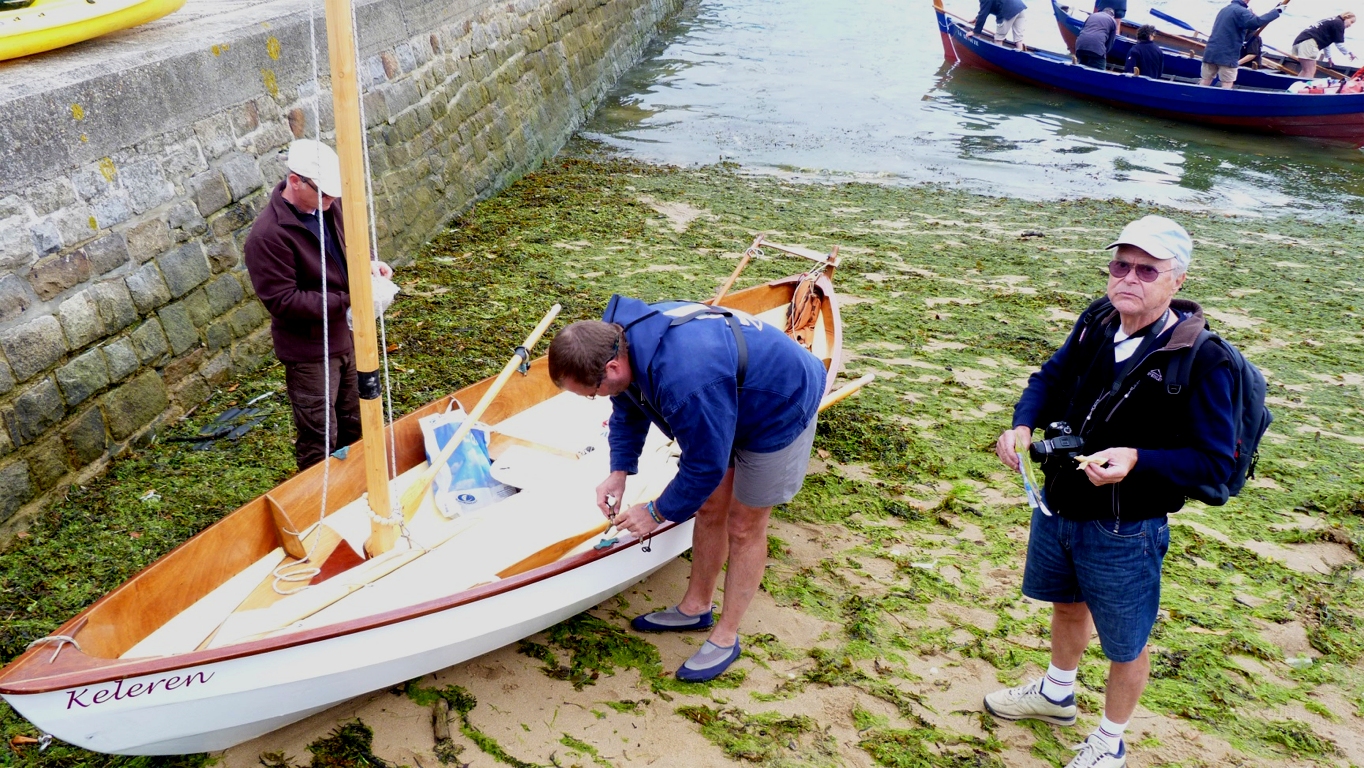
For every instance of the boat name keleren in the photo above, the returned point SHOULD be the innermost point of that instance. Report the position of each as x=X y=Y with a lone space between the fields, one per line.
x=79 y=697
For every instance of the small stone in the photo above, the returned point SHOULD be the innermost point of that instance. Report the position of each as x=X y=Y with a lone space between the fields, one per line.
x=185 y=218
x=107 y=253
x=34 y=346
x=224 y=293
x=122 y=359
x=86 y=438
x=112 y=210
x=16 y=489
x=48 y=463
x=80 y=320
x=178 y=327
x=147 y=288
x=148 y=239
x=34 y=412
x=210 y=193
x=55 y=274
x=242 y=174
x=14 y=298
x=82 y=377
x=184 y=268
x=115 y=305
x=146 y=185
x=135 y=404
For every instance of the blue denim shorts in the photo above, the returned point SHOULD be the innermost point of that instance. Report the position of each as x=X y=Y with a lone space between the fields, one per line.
x=1115 y=572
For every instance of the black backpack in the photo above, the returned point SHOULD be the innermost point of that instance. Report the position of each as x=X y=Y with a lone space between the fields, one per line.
x=1249 y=414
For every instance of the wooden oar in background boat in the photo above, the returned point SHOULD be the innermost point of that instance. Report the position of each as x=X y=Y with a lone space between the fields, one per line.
x=412 y=497
x=729 y=283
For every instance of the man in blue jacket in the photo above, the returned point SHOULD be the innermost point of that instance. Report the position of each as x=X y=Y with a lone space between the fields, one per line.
x=1008 y=17
x=1098 y=540
x=1222 y=56
x=740 y=398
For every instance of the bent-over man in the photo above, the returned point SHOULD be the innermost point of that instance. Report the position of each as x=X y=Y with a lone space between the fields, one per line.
x=1009 y=17
x=1097 y=558
x=283 y=255
x=740 y=398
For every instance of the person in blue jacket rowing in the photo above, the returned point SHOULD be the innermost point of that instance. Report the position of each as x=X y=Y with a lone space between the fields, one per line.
x=741 y=399
x=1222 y=56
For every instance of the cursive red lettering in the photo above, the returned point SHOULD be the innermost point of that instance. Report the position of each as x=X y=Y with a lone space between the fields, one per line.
x=74 y=697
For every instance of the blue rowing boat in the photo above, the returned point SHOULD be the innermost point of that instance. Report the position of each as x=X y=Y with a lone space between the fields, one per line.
x=1182 y=56
x=1332 y=117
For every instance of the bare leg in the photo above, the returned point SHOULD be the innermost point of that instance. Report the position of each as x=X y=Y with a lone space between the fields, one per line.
x=709 y=548
x=1308 y=67
x=747 y=560
x=1228 y=85
x=1126 y=681
x=1071 y=626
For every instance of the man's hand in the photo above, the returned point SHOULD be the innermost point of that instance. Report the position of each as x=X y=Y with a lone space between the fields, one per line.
x=636 y=520
x=1004 y=447
x=613 y=487
x=1119 y=462
x=380 y=269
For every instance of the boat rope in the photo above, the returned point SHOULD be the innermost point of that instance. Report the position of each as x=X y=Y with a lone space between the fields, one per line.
x=60 y=640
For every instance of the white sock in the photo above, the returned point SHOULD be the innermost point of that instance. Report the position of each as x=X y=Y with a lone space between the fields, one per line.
x=1059 y=683
x=1110 y=733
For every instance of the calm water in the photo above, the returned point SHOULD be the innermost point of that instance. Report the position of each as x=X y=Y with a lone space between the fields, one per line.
x=859 y=89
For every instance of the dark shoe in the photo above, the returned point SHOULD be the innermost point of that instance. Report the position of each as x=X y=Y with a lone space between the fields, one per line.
x=672 y=620
x=708 y=663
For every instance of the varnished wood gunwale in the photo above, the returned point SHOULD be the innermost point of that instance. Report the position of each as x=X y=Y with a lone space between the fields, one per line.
x=122 y=618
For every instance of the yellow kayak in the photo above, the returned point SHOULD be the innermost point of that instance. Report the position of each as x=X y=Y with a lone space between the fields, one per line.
x=47 y=24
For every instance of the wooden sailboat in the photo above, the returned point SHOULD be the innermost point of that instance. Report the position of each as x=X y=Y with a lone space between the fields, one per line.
x=199 y=651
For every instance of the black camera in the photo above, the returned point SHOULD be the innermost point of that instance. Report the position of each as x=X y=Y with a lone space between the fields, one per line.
x=1058 y=442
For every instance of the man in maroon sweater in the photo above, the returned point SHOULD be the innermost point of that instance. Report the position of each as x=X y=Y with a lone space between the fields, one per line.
x=284 y=258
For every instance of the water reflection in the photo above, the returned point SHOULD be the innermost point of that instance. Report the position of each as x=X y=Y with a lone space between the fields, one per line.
x=859 y=90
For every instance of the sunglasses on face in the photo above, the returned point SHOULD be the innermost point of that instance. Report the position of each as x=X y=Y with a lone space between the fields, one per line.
x=314 y=188
x=1145 y=272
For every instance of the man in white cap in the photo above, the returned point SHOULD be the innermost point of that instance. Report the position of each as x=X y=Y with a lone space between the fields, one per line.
x=1098 y=538
x=284 y=256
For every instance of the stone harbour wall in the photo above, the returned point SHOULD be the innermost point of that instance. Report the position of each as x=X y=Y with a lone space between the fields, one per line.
x=128 y=182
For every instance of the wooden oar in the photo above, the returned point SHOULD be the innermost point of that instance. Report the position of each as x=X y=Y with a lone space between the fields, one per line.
x=845 y=391
x=748 y=256
x=412 y=497
x=554 y=551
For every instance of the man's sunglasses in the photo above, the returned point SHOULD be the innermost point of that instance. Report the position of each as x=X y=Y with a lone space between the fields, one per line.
x=313 y=186
x=1145 y=272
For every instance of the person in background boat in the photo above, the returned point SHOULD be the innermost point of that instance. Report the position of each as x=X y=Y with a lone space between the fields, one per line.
x=1312 y=42
x=1145 y=58
x=1119 y=7
x=744 y=418
x=1096 y=39
x=1222 y=56
x=1252 y=50
x=1009 y=15
x=1097 y=556
x=283 y=255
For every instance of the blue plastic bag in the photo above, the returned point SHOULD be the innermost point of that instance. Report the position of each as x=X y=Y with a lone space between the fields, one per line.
x=466 y=482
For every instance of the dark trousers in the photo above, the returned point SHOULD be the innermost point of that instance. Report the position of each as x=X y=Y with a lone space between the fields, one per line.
x=308 y=394
x=1091 y=60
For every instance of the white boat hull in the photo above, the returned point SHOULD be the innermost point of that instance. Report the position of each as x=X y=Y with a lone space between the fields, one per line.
x=215 y=706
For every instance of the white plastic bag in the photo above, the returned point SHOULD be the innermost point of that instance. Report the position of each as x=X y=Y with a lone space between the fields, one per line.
x=466 y=482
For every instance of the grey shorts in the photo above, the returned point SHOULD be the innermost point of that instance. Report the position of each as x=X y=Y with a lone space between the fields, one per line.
x=769 y=479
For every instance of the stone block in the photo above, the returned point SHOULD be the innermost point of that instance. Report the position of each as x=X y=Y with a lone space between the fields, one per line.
x=14 y=298
x=83 y=377
x=233 y=218
x=121 y=357
x=262 y=142
x=247 y=318
x=55 y=274
x=115 y=305
x=95 y=181
x=254 y=350
x=209 y=192
x=107 y=253
x=191 y=391
x=182 y=160
x=217 y=369
x=399 y=96
x=6 y=445
x=135 y=404
x=148 y=239
x=146 y=185
x=86 y=437
x=242 y=174
x=180 y=367
x=34 y=412
x=200 y=311
x=111 y=210
x=215 y=136
x=149 y=342
x=223 y=256
x=244 y=118
x=34 y=346
x=178 y=327
x=6 y=377
x=185 y=219
x=16 y=489
x=16 y=242
x=224 y=293
x=80 y=320
x=48 y=463
x=218 y=335
x=184 y=268
x=50 y=196
x=147 y=287
x=46 y=238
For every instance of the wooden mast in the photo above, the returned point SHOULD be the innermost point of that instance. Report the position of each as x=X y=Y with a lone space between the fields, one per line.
x=350 y=146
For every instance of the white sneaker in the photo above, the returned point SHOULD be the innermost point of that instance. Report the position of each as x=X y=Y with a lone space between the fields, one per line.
x=1093 y=754
x=1027 y=702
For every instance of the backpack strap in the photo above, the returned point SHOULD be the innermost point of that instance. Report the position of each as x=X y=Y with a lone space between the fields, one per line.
x=740 y=343
x=1181 y=366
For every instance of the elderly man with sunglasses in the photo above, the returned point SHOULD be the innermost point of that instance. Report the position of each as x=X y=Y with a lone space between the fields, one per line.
x=741 y=398
x=1099 y=533
x=283 y=255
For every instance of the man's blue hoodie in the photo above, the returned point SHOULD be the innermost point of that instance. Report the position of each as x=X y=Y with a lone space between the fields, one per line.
x=1229 y=32
x=685 y=382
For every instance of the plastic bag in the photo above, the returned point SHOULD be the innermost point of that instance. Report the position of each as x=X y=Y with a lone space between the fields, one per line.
x=466 y=482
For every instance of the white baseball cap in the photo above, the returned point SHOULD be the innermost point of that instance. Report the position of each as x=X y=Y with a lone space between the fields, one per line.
x=317 y=161
x=1160 y=237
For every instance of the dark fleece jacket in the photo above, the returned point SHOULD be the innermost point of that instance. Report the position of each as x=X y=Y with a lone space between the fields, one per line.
x=282 y=255
x=1182 y=440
